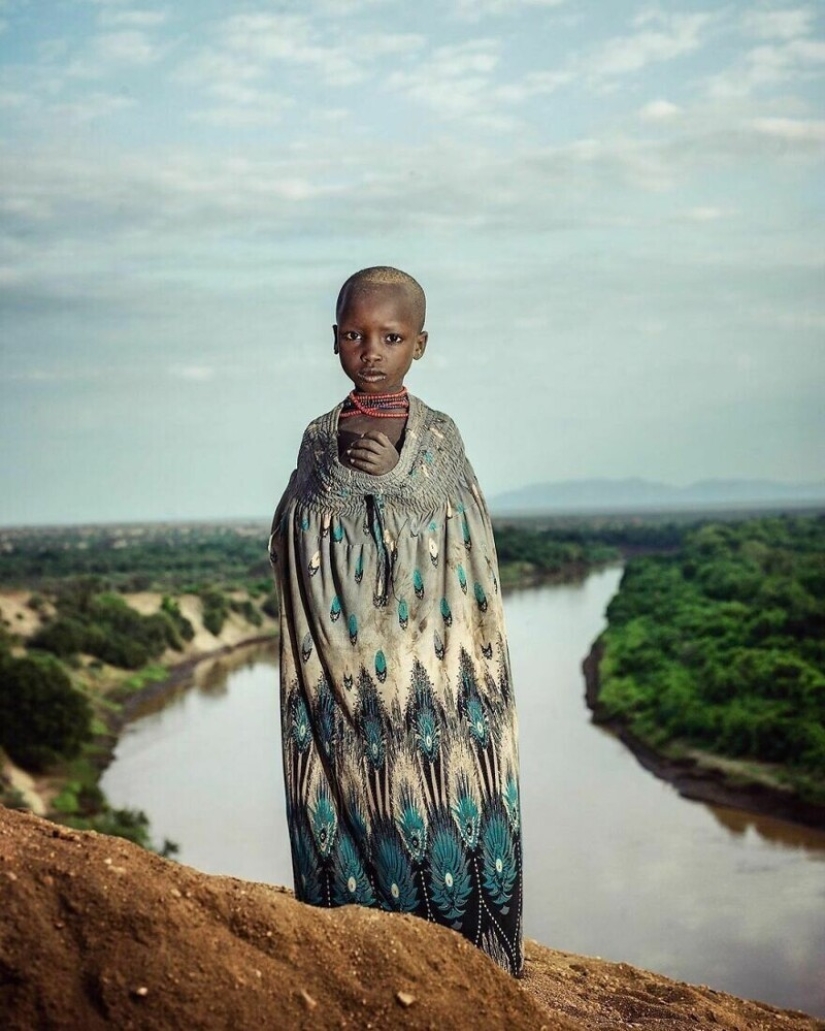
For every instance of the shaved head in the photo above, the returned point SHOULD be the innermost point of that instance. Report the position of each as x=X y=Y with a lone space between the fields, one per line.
x=383 y=275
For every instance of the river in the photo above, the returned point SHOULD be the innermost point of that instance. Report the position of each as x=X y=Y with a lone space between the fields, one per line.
x=617 y=864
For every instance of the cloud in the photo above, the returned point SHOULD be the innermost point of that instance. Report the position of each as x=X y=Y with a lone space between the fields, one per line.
x=791 y=130
x=193 y=373
x=768 y=66
x=474 y=9
x=457 y=83
x=131 y=47
x=705 y=214
x=256 y=109
x=782 y=24
x=14 y=99
x=132 y=18
x=237 y=89
x=92 y=106
x=533 y=84
x=674 y=36
x=56 y=106
x=79 y=207
x=660 y=38
x=294 y=40
x=659 y=111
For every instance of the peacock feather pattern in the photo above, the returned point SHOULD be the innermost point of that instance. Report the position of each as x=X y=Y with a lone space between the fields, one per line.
x=395 y=874
x=399 y=725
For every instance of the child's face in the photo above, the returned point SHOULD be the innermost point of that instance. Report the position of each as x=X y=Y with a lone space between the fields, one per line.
x=377 y=337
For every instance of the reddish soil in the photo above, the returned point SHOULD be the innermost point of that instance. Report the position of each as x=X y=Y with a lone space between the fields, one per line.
x=97 y=933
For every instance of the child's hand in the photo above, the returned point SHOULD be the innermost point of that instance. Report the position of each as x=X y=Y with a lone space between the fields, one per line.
x=373 y=453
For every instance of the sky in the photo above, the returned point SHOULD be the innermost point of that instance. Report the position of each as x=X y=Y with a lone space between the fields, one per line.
x=615 y=208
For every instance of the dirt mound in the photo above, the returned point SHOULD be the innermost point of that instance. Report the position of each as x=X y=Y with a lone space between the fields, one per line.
x=97 y=933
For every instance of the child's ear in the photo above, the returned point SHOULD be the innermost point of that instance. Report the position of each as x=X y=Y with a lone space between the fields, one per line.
x=420 y=345
x=335 y=340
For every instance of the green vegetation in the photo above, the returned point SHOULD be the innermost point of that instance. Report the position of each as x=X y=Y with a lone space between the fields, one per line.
x=78 y=577
x=153 y=673
x=42 y=717
x=722 y=646
x=102 y=624
x=175 y=559
x=525 y=552
x=215 y=610
x=715 y=641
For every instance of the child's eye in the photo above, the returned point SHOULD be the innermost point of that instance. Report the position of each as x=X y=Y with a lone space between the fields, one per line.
x=394 y=338
x=350 y=335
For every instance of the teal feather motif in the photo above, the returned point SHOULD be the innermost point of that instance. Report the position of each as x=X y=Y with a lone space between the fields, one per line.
x=351 y=882
x=395 y=875
x=450 y=882
x=465 y=530
x=499 y=860
x=380 y=666
x=462 y=578
x=412 y=825
x=323 y=821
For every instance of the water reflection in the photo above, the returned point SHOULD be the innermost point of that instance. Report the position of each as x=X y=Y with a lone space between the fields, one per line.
x=779 y=832
x=211 y=676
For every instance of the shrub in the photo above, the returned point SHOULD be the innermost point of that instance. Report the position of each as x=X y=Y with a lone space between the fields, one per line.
x=63 y=637
x=42 y=717
x=215 y=610
x=248 y=610
x=181 y=623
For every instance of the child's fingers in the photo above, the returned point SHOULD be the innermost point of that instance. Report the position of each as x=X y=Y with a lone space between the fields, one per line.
x=373 y=458
x=366 y=446
x=378 y=437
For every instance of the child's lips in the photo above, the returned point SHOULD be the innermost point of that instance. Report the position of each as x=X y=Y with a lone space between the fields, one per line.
x=370 y=375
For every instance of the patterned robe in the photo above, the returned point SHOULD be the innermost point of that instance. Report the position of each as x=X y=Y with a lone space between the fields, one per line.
x=398 y=718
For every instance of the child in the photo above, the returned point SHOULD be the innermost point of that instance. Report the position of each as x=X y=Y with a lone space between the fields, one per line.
x=397 y=710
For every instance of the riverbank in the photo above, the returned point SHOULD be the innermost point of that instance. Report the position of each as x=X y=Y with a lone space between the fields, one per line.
x=116 y=696
x=702 y=776
x=102 y=934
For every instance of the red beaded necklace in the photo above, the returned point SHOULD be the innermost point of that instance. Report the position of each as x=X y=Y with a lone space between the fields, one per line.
x=377 y=406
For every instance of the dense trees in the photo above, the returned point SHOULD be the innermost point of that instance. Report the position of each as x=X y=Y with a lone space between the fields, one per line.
x=42 y=717
x=722 y=645
x=547 y=551
x=178 y=559
x=104 y=625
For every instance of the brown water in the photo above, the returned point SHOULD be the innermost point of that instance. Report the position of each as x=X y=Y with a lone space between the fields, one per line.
x=616 y=863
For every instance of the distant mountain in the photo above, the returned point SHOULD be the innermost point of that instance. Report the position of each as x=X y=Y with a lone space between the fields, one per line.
x=616 y=495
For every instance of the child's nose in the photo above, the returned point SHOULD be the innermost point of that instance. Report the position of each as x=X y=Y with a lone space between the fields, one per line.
x=372 y=349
